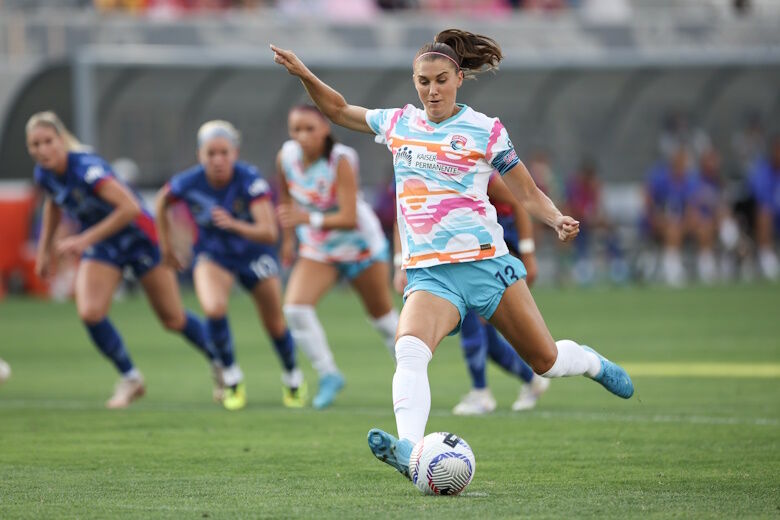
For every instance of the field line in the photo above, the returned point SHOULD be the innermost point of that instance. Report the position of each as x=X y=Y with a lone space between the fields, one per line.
x=97 y=406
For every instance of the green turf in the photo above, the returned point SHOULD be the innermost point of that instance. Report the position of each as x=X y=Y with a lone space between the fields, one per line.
x=684 y=447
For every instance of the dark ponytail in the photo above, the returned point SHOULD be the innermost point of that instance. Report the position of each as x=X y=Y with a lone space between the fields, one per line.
x=472 y=53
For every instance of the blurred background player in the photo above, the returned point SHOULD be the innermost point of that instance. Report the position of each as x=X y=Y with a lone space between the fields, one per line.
x=765 y=185
x=479 y=339
x=454 y=254
x=338 y=236
x=668 y=190
x=116 y=232
x=231 y=206
x=584 y=202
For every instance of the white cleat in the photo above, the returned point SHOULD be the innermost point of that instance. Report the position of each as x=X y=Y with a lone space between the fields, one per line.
x=530 y=393
x=476 y=402
x=126 y=391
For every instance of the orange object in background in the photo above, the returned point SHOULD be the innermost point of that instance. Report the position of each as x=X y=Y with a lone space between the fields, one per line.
x=17 y=205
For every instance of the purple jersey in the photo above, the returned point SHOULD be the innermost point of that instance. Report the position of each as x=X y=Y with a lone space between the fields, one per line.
x=75 y=191
x=245 y=188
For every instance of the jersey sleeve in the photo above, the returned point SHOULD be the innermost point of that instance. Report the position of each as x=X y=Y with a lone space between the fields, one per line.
x=257 y=189
x=39 y=177
x=500 y=152
x=94 y=175
x=176 y=188
x=382 y=120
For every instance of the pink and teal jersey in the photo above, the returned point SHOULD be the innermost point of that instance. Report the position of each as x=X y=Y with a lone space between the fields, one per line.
x=314 y=189
x=441 y=174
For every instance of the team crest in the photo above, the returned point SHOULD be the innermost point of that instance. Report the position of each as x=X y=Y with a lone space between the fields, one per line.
x=458 y=142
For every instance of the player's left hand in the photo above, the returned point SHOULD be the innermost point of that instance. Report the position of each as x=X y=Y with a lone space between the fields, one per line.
x=290 y=216
x=566 y=227
x=289 y=61
x=73 y=245
x=222 y=219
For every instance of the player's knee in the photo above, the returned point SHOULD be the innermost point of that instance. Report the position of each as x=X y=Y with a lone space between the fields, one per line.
x=91 y=314
x=173 y=322
x=215 y=310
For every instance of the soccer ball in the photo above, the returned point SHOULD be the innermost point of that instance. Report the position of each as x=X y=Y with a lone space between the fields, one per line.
x=5 y=371
x=442 y=464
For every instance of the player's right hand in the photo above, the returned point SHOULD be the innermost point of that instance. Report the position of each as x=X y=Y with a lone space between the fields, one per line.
x=287 y=253
x=289 y=60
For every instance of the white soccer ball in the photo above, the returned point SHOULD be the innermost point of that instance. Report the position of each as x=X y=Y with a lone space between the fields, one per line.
x=5 y=371
x=442 y=464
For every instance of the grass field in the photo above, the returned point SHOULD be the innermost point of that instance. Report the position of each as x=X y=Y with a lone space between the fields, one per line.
x=700 y=445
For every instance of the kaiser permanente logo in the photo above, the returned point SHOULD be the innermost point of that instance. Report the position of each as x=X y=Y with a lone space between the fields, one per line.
x=422 y=160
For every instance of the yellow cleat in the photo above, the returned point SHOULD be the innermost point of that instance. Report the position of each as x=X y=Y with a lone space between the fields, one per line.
x=235 y=397
x=295 y=397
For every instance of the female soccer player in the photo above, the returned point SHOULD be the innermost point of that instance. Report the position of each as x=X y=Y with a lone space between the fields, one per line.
x=481 y=340
x=453 y=248
x=338 y=236
x=117 y=232
x=231 y=206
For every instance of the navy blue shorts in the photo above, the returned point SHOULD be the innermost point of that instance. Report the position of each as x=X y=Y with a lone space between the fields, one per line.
x=249 y=269
x=127 y=249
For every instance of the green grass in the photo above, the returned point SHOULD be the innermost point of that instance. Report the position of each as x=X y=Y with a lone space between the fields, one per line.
x=701 y=446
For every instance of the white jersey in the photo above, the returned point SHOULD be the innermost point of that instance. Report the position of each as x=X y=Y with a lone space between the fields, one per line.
x=441 y=176
x=315 y=190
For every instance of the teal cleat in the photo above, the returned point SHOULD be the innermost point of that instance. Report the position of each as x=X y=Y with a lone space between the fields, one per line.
x=613 y=377
x=390 y=450
x=330 y=386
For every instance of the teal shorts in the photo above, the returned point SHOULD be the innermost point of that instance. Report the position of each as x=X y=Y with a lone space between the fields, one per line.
x=351 y=270
x=478 y=285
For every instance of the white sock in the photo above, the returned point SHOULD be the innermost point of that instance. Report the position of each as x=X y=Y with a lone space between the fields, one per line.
x=386 y=326
x=132 y=374
x=573 y=360
x=232 y=375
x=308 y=334
x=411 y=392
x=293 y=378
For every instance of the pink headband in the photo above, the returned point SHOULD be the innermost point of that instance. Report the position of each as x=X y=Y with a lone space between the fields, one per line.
x=439 y=54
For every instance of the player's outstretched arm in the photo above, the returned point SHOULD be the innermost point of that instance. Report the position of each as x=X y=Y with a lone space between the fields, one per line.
x=539 y=205
x=328 y=100
x=51 y=219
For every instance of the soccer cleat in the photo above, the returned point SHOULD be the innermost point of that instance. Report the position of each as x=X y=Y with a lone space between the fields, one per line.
x=476 y=402
x=530 y=393
x=390 y=450
x=295 y=397
x=235 y=397
x=218 y=393
x=613 y=377
x=126 y=391
x=330 y=386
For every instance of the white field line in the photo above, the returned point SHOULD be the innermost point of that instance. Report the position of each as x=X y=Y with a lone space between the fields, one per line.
x=73 y=405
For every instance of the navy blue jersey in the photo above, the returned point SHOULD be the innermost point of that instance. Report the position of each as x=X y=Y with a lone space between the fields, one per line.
x=75 y=191
x=246 y=187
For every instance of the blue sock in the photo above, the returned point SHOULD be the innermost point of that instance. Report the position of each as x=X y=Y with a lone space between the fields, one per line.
x=505 y=356
x=472 y=339
x=219 y=330
x=107 y=339
x=195 y=331
x=285 y=348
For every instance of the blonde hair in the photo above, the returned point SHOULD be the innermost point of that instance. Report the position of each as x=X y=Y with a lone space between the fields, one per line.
x=218 y=128
x=50 y=119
